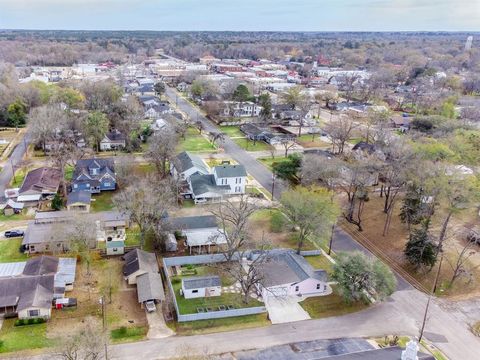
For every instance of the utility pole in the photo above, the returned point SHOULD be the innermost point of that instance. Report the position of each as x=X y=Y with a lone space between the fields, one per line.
x=331 y=240
x=435 y=282
x=104 y=323
x=274 y=176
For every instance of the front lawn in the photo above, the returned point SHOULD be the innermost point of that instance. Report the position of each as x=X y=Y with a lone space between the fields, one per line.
x=269 y=161
x=251 y=146
x=17 y=179
x=320 y=262
x=102 y=201
x=220 y=325
x=195 y=143
x=10 y=250
x=311 y=140
x=28 y=337
x=330 y=305
x=232 y=131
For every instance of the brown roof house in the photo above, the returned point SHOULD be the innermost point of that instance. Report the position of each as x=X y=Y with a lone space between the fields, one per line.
x=39 y=182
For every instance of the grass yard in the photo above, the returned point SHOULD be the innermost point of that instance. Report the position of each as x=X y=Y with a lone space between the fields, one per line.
x=188 y=204
x=320 y=262
x=102 y=201
x=220 y=325
x=28 y=337
x=128 y=334
x=251 y=146
x=232 y=131
x=311 y=141
x=22 y=216
x=269 y=161
x=10 y=250
x=330 y=305
x=133 y=236
x=69 y=169
x=195 y=142
x=17 y=180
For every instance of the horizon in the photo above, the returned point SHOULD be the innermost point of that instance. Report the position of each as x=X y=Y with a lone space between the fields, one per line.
x=248 y=16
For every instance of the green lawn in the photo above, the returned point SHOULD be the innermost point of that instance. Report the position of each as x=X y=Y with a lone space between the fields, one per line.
x=195 y=142
x=232 y=131
x=220 y=325
x=16 y=338
x=69 y=169
x=102 y=201
x=320 y=262
x=128 y=334
x=309 y=140
x=250 y=146
x=22 y=216
x=189 y=306
x=17 y=180
x=10 y=250
x=188 y=203
x=330 y=305
x=269 y=161
x=133 y=236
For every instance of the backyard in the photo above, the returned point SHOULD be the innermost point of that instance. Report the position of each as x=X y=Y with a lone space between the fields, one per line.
x=102 y=201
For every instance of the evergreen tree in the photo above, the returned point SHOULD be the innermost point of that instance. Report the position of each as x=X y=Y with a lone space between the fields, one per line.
x=420 y=249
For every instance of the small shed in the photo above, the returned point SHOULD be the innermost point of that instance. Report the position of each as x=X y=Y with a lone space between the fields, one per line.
x=201 y=286
x=115 y=247
x=79 y=201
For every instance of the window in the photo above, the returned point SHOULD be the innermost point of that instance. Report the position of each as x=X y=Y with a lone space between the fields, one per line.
x=194 y=291
x=297 y=288
x=106 y=184
x=75 y=186
x=59 y=244
x=318 y=286
x=33 y=313
x=115 y=249
x=32 y=248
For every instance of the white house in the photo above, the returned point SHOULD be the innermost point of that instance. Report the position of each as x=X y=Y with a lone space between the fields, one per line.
x=241 y=109
x=186 y=165
x=112 y=141
x=286 y=273
x=233 y=175
x=201 y=286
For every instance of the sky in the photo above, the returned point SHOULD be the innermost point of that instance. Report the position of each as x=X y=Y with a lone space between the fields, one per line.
x=248 y=15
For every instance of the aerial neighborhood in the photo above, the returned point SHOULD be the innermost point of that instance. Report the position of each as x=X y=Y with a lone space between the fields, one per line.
x=173 y=190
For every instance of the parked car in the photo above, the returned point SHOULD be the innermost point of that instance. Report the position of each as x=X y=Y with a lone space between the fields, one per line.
x=14 y=233
x=150 y=306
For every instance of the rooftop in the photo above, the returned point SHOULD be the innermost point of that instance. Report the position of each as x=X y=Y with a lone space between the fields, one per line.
x=194 y=222
x=199 y=282
x=226 y=171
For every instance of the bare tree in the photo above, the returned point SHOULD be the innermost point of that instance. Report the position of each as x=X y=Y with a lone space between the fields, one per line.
x=87 y=344
x=459 y=265
x=45 y=122
x=216 y=137
x=339 y=131
x=82 y=237
x=162 y=149
x=287 y=144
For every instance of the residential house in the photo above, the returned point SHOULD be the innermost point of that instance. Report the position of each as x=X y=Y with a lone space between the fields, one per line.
x=182 y=87
x=159 y=125
x=11 y=207
x=269 y=135
x=141 y=268
x=27 y=289
x=79 y=201
x=94 y=175
x=111 y=228
x=201 y=287
x=186 y=164
x=115 y=247
x=286 y=273
x=40 y=183
x=154 y=108
x=113 y=140
x=201 y=232
x=402 y=123
x=204 y=188
x=233 y=175
x=240 y=109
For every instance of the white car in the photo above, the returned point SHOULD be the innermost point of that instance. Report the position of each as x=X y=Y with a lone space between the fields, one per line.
x=150 y=306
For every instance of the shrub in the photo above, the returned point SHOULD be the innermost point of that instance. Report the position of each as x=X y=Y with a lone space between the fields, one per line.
x=122 y=331
x=31 y=321
x=19 y=322
x=277 y=221
x=176 y=281
x=2 y=343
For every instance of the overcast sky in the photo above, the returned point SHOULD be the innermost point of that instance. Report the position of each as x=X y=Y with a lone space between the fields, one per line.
x=286 y=15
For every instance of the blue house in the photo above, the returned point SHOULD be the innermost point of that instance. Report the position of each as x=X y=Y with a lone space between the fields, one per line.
x=94 y=175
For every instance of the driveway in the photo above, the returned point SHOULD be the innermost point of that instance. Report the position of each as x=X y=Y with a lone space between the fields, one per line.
x=157 y=329
x=285 y=309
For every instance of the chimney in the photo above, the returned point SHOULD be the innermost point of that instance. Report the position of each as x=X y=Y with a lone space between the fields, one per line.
x=410 y=352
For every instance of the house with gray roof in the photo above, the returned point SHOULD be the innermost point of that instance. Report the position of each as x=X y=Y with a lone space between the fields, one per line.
x=233 y=175
x=201 y=286
x=204 y=188
x=94 y=175
x=286 y=273
x=79 y=201
x=186 y=164
x=27 y=289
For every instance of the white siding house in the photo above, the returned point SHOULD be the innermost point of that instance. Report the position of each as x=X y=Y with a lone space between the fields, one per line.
x=233 y=175
x=200 y=287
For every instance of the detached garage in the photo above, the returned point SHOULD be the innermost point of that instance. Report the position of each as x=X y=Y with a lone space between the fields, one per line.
x=205 y=286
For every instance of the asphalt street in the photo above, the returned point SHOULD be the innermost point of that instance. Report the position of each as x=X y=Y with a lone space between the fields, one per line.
x=15 y=159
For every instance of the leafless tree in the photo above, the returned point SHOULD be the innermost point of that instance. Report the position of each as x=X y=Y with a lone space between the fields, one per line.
x=215 y=137
x=45 y=122
x=86 y=344
x=460 y=264
x=287 y=144
x=339 y=130
x=162 y=149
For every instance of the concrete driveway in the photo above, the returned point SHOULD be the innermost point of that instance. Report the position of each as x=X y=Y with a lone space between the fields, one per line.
x=285 y=309
x=157 y=329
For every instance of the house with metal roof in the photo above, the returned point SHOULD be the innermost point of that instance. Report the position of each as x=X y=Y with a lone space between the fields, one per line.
x=202 y=233
x=201 y=286
x=42 y=181
x=27 y=289
x=285 y=273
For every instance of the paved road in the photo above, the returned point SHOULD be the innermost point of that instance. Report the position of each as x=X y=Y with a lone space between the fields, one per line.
x=401 y=314
x=261 y=173
x=15 y=158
